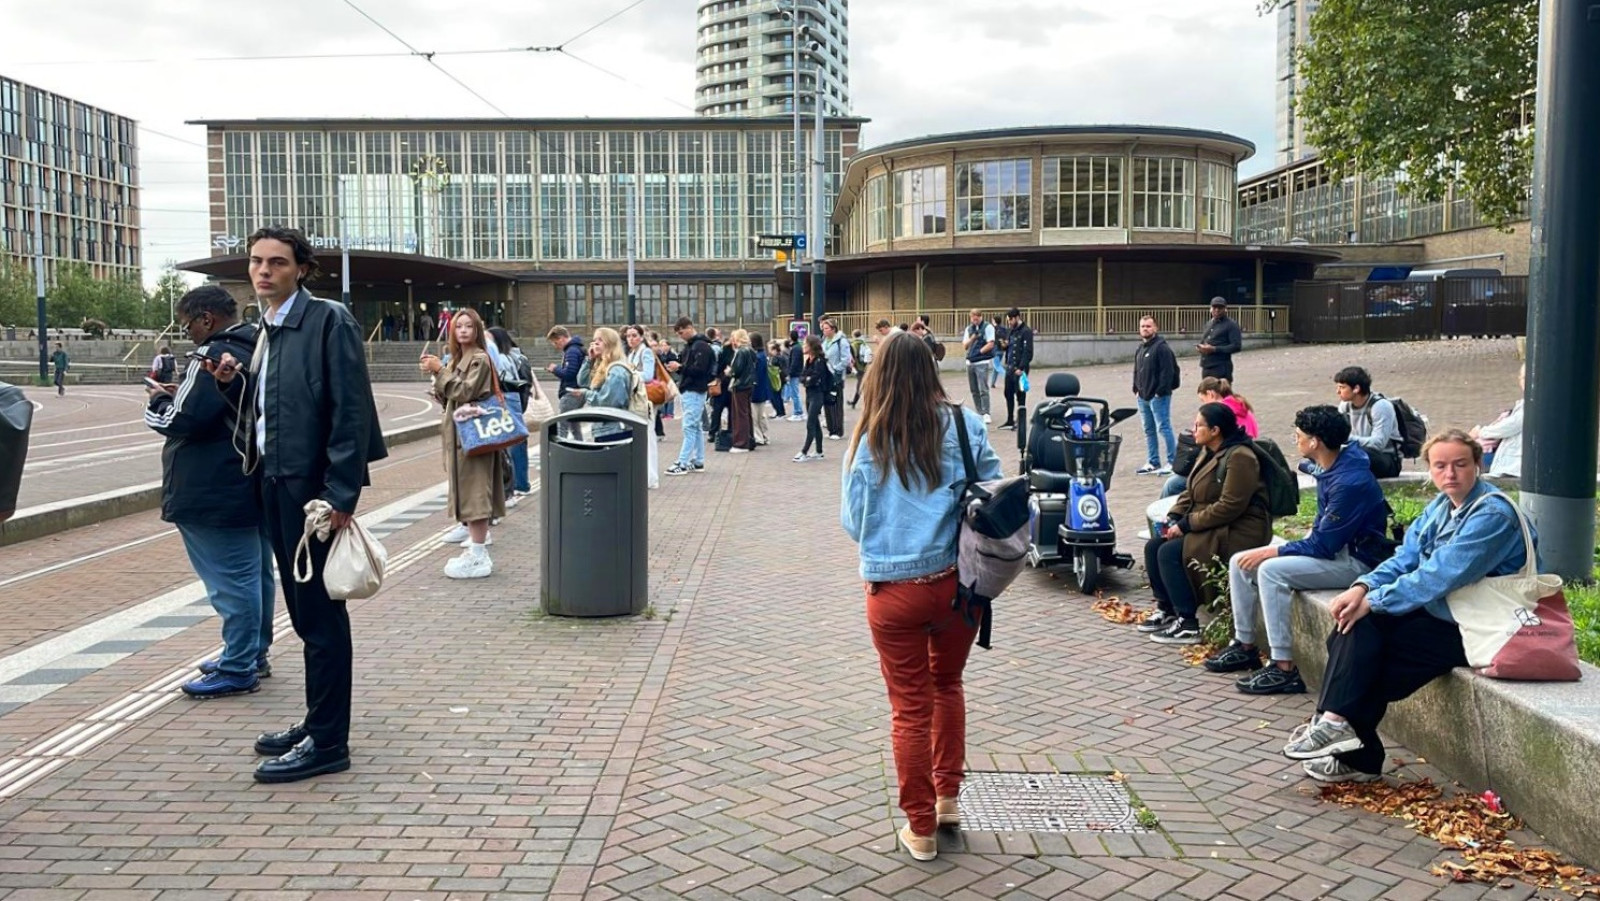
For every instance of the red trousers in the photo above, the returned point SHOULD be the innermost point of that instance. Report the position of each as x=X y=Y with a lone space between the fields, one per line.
x=922 y=648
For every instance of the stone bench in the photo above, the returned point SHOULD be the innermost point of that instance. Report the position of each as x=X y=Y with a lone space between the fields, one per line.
x=1536 y=744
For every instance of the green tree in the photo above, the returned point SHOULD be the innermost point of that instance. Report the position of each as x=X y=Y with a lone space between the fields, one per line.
x=78 y=295
x=16 y=293
x=1436 y=90
x=164 y=299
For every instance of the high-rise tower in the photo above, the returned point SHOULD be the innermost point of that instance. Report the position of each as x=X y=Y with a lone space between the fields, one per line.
x=745 y=57
x=1294 y=32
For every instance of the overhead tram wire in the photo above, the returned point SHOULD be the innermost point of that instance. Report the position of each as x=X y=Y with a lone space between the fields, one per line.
x=624 y=79
x=428 y=57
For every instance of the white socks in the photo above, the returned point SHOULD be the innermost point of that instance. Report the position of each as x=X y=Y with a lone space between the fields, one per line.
x=478 y=550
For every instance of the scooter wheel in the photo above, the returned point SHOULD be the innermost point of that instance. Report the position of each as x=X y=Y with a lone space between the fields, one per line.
x=1086 y=569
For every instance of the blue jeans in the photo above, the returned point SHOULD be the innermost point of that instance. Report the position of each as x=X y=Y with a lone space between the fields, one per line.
x=791 y=397
x=1156 y=414
x=999 y=370
x=519 y=452
x=236 y=567
x=694 y=433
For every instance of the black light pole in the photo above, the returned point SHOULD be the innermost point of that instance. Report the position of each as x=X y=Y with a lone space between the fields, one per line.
x=38 y=273
x=1564 y=289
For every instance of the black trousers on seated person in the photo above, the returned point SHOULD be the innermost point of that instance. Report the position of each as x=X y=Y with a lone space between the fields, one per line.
x=1384 y=659
x=1169 y=579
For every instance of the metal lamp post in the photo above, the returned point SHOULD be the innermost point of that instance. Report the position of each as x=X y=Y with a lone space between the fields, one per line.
x=798 y=31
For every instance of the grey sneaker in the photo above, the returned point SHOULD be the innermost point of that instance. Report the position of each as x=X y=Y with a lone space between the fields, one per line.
x=1320 y=738
x=1157 y=623
x=1233 y=658
x=1269 y=680
x=1332 y=769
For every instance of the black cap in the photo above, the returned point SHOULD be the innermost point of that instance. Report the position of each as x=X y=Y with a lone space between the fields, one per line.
x=1219 y=302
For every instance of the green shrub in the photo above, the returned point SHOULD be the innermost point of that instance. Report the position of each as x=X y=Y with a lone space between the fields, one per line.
x=1584 y=600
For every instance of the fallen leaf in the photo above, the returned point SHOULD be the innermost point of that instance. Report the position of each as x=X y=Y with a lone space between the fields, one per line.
x=1117 y=777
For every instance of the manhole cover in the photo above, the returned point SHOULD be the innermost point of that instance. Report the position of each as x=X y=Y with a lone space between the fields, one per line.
x=1046 y=802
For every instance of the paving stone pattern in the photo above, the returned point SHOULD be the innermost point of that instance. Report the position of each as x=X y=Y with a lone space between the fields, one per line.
x=733 y=743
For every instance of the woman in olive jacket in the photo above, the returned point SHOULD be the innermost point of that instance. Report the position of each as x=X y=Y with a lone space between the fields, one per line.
x=1221 y=512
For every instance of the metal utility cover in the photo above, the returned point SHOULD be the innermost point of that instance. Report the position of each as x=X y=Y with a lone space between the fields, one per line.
x=1046 y=802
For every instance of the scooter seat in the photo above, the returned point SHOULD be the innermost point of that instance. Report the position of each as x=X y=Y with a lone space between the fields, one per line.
x=1049 y=481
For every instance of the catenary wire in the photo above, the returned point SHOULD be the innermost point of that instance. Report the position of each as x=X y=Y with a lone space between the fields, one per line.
x=426 y=56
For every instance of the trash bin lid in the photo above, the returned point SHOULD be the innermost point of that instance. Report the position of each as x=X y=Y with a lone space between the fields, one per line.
x=633 y=421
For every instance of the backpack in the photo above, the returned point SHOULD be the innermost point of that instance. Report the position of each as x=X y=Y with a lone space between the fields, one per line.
x=638 y=395
x=1413 y=428
x=992 y=540
x=524 y=368
x=1278 y=481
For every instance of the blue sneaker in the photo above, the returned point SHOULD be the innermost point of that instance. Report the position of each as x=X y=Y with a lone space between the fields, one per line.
x=263 y=667
x=221 y=685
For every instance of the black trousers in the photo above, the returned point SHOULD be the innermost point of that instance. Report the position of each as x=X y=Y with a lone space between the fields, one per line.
x=815 y=401
x=1015 y=396
x=833 y=410
x=721 y=411
x=322 y=623
x=1382 y=660
x=1169 y=579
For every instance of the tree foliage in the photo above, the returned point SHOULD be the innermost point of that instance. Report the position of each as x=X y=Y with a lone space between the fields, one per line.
x=1433 y=90
x=77 y=295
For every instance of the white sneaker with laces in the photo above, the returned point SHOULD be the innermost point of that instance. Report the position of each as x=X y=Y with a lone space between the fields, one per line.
x=457 y=534
x=469 y=566
x=487 y=540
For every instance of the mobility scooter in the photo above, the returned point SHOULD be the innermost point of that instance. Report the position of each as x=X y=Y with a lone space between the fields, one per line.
x=1068 y=455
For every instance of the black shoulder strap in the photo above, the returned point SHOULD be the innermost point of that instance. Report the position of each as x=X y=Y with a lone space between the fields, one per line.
x=966 y=444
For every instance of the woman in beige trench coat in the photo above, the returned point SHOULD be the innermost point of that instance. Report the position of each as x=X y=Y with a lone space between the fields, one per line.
x=477 y=484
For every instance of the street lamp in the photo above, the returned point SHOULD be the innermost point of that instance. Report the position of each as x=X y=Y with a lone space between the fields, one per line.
x=798 y=32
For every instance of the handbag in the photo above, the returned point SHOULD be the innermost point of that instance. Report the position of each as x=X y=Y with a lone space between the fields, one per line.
x=356 y=561
x=715 y=388
x=538 y=410
x=1517 y=626
x=992 y=540
x=486 y=426
x=665 y=377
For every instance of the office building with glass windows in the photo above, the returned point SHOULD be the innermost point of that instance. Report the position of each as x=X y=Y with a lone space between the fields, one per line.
x=81 y=164
x=526 y=220
x=1078 y=217
x=1294 y=32
x=745 y=57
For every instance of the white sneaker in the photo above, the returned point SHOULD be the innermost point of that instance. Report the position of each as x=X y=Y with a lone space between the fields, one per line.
x=469 y=566
x=487 y=540
x=512 y=500
x=457 y=534
x=739 y=450
x=835 y=437
x=986 y=419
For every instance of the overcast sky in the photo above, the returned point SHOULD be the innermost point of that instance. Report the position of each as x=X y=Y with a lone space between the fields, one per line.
x=917 y=67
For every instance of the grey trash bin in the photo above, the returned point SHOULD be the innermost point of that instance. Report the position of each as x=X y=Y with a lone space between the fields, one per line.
x=16 y=417
x=595 y=512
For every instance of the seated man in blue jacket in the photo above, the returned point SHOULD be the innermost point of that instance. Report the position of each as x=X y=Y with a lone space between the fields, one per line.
x=1346 y=541
x=1393 y=630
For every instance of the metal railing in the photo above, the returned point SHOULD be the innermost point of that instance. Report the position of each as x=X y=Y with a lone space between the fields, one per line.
x=1073 y=321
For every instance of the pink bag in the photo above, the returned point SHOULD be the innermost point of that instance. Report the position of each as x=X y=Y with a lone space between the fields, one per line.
x=1543 y=649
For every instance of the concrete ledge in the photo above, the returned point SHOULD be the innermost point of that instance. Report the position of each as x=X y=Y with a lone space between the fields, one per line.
x=1536 y=744
x=48 y=519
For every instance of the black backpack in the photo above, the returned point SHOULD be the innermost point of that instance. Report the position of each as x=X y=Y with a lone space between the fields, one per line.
x=1278 y=481
x=1413 y=428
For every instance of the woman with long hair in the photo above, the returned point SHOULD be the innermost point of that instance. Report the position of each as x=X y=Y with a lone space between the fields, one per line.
x=741 y=374
x=818 y=380
x=516 y=383
x=897 y=503
x=477 y=492
x=608 y=381
x=643 y=361
x=1222 y=511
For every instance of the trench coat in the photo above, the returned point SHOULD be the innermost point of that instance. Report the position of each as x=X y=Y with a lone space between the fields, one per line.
x=1224 y=517
x=477 y=484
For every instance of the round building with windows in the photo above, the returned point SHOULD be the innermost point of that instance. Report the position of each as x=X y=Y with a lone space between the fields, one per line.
x=1087 y=226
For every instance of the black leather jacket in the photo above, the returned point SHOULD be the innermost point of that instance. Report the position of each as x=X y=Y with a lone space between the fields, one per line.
x=322 y=423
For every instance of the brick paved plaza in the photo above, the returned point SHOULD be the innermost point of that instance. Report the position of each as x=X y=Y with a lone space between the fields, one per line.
x=733 y=743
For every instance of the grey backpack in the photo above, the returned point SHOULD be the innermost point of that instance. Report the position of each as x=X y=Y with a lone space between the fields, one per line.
x=992 y=542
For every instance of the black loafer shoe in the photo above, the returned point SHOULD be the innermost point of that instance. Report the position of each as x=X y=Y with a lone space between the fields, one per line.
x=273 y=744
x=303 y=762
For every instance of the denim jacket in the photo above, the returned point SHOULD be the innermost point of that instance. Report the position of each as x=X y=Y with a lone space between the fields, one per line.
x=1443 y=552
x=908 y=533
x=613 y=392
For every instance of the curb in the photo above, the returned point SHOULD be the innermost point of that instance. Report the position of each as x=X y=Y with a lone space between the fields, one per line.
x=59 y=516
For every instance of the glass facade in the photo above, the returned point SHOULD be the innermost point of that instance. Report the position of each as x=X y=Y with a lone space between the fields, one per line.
x=1083 y=192
x=1163 y=193
x=920 y=204
x=82 y=165
x=533 y=194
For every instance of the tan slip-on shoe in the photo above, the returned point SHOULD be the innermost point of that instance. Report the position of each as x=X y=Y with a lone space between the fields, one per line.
x=922 y=847
x=948 y=811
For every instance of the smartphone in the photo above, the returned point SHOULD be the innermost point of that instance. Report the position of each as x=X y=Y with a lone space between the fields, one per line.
x=196 y=355
x=152 y=383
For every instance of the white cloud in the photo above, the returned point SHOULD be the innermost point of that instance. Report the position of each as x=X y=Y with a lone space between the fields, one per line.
x=917 y=67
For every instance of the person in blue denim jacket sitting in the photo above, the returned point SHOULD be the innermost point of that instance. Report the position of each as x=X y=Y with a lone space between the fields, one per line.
x=1393 y=630
x=899 y=500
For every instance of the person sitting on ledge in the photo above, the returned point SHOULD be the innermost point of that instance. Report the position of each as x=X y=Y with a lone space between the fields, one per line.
x=1393 y=632
x=1346 y=541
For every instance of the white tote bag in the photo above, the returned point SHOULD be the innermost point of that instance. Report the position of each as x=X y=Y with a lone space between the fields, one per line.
x=1492 y=611
x=356 y=561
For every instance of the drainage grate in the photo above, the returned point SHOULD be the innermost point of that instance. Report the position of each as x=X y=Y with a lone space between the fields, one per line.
x=1046 y=802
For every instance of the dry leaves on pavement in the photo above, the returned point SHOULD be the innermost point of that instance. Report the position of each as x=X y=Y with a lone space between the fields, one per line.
x=1116 y=610
x=1466 y=824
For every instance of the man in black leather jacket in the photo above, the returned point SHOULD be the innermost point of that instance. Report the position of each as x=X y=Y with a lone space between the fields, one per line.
x=314 y=428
